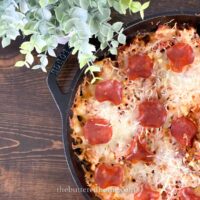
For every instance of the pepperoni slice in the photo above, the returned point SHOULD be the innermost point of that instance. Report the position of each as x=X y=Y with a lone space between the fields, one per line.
x=109 y=90
x=180 y=55
x=138 y=152
x=183 y=130
x=152 y=113
x=108 y=175
x=147 y=193
x=188 y=194
x=139 y=65
x=97 y=131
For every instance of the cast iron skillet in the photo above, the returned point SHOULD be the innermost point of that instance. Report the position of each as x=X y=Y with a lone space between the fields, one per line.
x=65 y=101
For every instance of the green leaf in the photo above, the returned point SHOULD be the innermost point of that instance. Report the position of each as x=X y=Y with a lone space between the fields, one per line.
x=124 y=5
x=43 y=3
x=85 y=58
x=94 y=26
x=117 y=6
x=19 y=63
x=68 y=25
x=104 y=30
x=74 y=51
x=40 y=45
x=87 y=48
x=43 y=68
x=27 y=65
x=43 y=28
x=5 y=42
x=52 y=1
x=113 y=51
x=145 y=5
x=93 y=80
x=93 y=3
x=142 y=14
x=23 y=51
x=101 y=7
x=103 y=45
x=135 y=6
x=105 y=17
x=48 y=21
x=117 y=26
x=82 y=63
x=111 y=2
x=110 y=34
x=23 y=6
x=44 y=60
x=84 y=4
x=93 y=69
x=36 y=67
x=30 y=28
x=27 y=46
x=29 y=58
x=115 y=44
x=80 y=14
x=98 y=78
x=121 y=38
x=15 y=4
x=13 y=34
x=46 y=14
x=51 y=52
x=60 y=12
x=83 y=32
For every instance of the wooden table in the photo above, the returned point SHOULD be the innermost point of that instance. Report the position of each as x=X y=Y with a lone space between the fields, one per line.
x=32 y=162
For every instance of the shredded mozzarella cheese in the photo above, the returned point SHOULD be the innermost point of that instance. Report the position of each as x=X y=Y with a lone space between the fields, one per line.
x=179 y=92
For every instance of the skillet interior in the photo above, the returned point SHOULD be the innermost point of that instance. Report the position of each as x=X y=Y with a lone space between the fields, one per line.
x=132 y=29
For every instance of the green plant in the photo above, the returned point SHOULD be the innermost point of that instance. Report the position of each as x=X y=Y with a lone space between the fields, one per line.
x=52 y=22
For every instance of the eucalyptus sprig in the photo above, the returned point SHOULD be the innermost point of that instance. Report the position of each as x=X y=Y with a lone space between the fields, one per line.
x=48 y=23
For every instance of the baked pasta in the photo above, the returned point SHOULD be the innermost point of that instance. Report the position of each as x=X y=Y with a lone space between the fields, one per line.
x=137 y=130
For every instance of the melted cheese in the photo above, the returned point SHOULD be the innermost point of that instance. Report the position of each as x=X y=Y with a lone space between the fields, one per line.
x=124 y=125
x=179 y=92
x=168 y=172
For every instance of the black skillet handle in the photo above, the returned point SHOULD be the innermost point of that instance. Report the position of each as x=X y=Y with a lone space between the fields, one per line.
x=59 y=97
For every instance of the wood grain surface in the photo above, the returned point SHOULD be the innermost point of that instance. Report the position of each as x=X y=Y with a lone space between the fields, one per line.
x=32 y=162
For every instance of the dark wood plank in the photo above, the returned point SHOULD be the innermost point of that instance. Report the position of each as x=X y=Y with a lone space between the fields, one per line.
x=32 y=162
